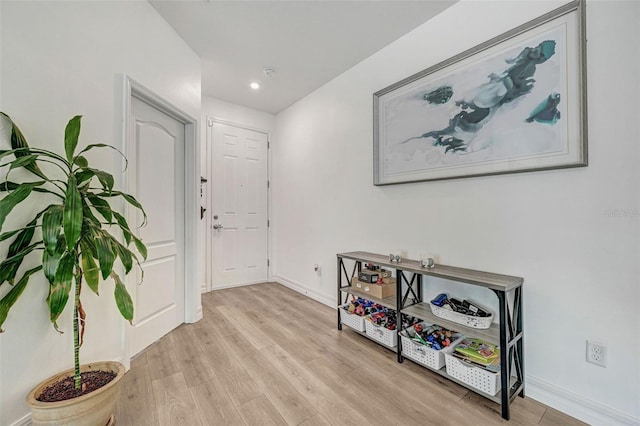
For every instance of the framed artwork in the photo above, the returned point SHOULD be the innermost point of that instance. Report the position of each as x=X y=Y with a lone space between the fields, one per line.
x=515 y=103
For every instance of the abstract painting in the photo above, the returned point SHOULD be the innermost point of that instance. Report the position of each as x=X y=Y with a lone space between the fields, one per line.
x=514 y=103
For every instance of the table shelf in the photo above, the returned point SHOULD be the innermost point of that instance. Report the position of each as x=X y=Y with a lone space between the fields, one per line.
x=507 y=333
x=389 y=302
x=423 y=311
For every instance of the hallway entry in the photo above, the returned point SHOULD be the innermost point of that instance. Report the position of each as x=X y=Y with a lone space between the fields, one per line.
x=239 y=205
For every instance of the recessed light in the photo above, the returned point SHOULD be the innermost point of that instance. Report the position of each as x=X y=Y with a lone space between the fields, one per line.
x=254 y=85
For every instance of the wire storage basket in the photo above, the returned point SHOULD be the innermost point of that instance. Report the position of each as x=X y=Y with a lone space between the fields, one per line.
x=351 y=320
x=467 y=320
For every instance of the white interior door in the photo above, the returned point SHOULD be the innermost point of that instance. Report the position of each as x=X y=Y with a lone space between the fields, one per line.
x=157 y=155
x=239 y=206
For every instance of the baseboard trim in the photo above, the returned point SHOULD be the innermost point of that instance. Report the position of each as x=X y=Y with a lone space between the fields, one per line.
x=237 y=285
x=303 y=290
x=575 y=405
x=23 y=421
x=199 y=314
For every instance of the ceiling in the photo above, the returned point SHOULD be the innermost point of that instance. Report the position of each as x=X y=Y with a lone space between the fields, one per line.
x=307 y=42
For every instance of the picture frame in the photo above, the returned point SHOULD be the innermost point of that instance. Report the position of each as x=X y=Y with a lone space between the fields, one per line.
x=515 y=103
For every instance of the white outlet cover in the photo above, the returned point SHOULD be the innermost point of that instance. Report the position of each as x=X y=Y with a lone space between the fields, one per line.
x=596 y=353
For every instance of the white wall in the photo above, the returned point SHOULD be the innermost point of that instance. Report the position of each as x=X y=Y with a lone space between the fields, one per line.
x=60 y=59
x=554 y=228
x=213 y=108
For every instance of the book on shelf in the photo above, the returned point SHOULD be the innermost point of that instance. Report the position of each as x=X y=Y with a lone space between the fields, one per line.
x=479 y=352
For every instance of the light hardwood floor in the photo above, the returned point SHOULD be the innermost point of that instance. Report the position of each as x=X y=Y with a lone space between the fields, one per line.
x=266 y=355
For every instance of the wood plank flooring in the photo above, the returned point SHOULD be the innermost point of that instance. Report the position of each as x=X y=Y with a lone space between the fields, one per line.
x=266 y=355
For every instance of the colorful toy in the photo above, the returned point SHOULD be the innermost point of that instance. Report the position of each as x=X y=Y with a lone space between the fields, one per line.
x=362 y=307
x=434 y=336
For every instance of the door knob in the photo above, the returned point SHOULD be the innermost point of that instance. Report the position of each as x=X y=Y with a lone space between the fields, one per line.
x=217 y=226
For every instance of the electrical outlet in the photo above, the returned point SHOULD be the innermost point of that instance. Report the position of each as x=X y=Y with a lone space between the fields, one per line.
x=596 y=353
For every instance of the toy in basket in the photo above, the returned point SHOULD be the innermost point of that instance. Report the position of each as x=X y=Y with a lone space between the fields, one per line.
x=464 y=312
x=476 y=363
x=382 y=326
x=427 y=343
x=353 y=313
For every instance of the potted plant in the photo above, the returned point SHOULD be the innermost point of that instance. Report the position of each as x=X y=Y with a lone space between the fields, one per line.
x=68 y=240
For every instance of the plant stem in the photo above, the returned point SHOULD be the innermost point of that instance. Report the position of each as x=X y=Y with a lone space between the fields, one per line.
x=76 y=328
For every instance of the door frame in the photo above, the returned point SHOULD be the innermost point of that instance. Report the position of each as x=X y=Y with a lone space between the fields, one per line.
x=209 y=150
x=192 y=297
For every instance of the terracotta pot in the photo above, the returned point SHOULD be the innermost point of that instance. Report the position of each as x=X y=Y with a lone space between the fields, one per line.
x=93 y=409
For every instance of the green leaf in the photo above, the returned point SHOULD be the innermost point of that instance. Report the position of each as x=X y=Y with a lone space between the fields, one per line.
x=140 y=246
x=14 y=198
x=8 y=152
x=23 y=252
x=12 y=296
x=104 y=145
x=23 y=161
x=80 y=161
x=7 y=235
x=102 y=206
x=32 y=224
x=51 y=261
x=18 y=142
x=52 y=226
x=88 y=242
x=122 y=222
x=72 y=222
x=19 y=152
x=89 y=267
x=124 y=254
x=8 y=186
x=130 y=199
x=129 y=236
x=23 y=239
x=21 y=242
x=18 y=249
x=97 y=145
x=83 y=175
x=88 y=217
x=59 y=291
x=106 y=255
x=9 y=266
x=106 y=180
x=71 y=133
x=123 y=299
